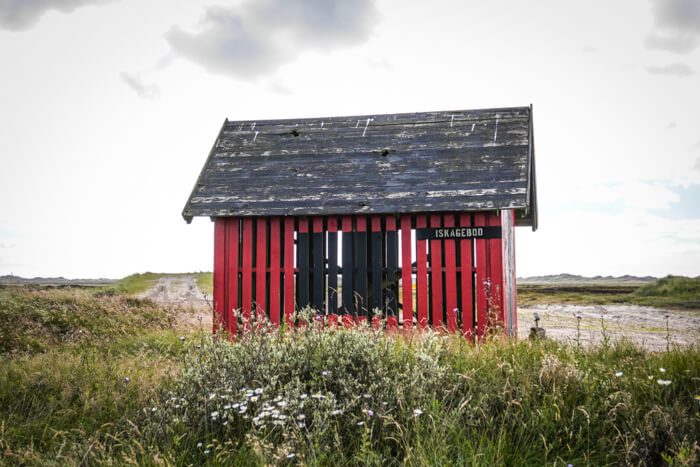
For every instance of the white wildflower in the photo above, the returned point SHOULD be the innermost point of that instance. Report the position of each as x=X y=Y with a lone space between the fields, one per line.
x=360 y=423
x=662 y=370
x=212 y=395
x=417 y=412
x=254 y=399
x=259 y=391
x=243 y=409
x=324 y=373
x=663 y=382
x=199 y=445
x=336 y=412
x=618 y=374
x=215 y=415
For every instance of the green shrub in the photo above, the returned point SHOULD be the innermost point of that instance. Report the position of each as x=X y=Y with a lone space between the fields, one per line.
x=343 y=397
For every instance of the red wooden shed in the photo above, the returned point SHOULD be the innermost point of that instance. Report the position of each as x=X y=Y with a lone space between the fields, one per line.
x=408 y=217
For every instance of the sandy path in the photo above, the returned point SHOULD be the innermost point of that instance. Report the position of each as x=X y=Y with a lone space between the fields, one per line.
x=644 y=325
x=182 y=293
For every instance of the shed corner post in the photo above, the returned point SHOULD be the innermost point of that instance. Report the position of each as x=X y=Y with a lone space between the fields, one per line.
x=510 y=300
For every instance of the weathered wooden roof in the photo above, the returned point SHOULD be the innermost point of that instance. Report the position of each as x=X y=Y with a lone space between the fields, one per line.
x=465 y=160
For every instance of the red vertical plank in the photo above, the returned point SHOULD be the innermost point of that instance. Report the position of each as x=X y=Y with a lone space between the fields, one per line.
x=348 y=319
x=247 y=282
x=261 y=269
x=289 y=270
x=495 y=258
x=275 y=250
x=219 y=273
x=232 y=243
x=422 y=275
x=392 y=321
x=450 y=277
x=481 y=279
x=436 y=273
x=406 y=273
x=465 y=247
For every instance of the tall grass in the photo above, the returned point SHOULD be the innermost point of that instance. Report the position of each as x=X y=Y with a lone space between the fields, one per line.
x=36 y=319
x=341 y=397
x=671 y=291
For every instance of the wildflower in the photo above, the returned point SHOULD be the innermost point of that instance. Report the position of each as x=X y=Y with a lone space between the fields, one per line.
x=360 y=423
x=369 y=413
x=417 y=412
x=206 y=451
x=650 y=377
x=199 y=445
x=258 y=391
x=662 y=370
x=212 y=395
x=182 y=338
x=154 y=409
x=291 y=455
x=618 y=374
x=366 y=396
x=243 y=409
x=225 y=423
x=663 y=382
x=126 y=380
x=254 y=399
x=215 y=415
x=324 y=373
x=303 y=396
x=301 y=417
x=227 y=407
x=282 y=404
x=338 y=411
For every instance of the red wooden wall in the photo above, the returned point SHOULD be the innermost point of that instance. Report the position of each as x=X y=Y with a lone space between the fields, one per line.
x=354 y=268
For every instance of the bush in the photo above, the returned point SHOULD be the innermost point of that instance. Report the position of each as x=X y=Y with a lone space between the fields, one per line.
x=344 y=397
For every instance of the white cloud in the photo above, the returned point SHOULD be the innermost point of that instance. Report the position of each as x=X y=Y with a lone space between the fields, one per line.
x=20 y=15
x=679 y=21
x=257 y=37
x=674 y=69
x=144 y=91
x=682 y=42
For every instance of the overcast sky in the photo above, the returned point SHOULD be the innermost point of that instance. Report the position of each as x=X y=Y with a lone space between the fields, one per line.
x=108 y=109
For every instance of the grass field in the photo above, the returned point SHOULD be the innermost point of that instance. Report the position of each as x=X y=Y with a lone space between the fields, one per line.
x=668 y=292
x=92 y=377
